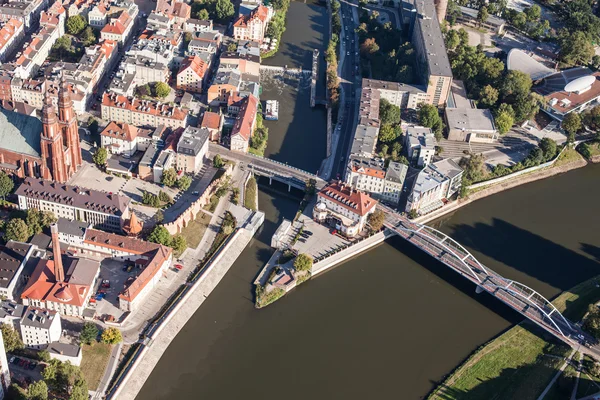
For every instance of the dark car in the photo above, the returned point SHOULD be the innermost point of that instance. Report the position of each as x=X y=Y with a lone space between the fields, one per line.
x=32 y=365
x=16 y=360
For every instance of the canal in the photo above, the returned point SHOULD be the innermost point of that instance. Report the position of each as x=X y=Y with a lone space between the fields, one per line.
x=390 y=321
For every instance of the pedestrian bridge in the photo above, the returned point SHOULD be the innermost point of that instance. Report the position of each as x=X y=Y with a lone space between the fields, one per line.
x=274 y=170
x=521 y=298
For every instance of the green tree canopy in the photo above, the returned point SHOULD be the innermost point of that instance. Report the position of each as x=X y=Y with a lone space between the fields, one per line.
x=571 y=123
x=11 y=338
x=303 y=262
x=160 y=235
x=203 y=15
x=89 y=333
x=387 y=134
x=533 y=13
x=184 y=182
x=452 y=39
x=218 y=161
x=369 y=47
x=169 y=177
x=516 y=84
x=488 y=96
x=549 y=148
x=224 y=10
x=430 y=118
x=389 y=113
x=178 y=243
x=17 y=230
x=482 y=15
x=376 y=220
x=575 y=49
x=504 y=118
x=475 y=169
x=6 y=184
x=76 y=24
x=100 y=157
x=161 y=90
x=88 y=37
x=38 y=390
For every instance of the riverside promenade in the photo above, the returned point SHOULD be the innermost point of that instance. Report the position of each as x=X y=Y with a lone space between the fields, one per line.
x=160 y=340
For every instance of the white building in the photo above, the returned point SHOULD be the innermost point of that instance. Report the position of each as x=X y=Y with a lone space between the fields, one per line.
x=40 y=327
x=4 y=372
x=105 y=210
x=65 y=352
x=420 y=144
x=11 y=36
x=343 y=208
x=254 y=25
x=434 y=186
x=125 y=139
x=370 y=175
x=191 y=149
x=395 y=175
x=138 y=112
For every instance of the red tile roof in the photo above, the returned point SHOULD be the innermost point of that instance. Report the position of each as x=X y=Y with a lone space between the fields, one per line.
x=211 y=120
x=353 y=200
x=261 y=12
x=143 y=106
x=245 y=120
x=196 y=64
x=120 y=131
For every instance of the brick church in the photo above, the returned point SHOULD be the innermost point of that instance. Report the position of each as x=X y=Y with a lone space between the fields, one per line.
x=47 y=149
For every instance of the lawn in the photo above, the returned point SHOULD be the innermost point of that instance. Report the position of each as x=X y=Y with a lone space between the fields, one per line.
x=568 y=156
x=94 y=360
x=514 y=365
x=588 y=383
x=517 y=364
x=194 y=231
x=250 y=194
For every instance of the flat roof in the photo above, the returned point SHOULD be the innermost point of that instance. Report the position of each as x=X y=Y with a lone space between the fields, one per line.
x=433 y=41
x=470 y=119
x=74 y=228
x=64 y=349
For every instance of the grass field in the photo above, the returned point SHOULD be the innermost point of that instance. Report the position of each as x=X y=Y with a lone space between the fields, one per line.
x=568 y=156
x=94 y=360
x=521 y=362
x=194 y=232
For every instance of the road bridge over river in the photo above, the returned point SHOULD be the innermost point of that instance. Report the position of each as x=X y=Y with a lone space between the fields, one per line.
x=274 y=170
x=521 y=298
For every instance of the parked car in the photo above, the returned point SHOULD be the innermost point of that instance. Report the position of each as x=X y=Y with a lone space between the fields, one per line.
x=15 y=360
x=106 y=283
x=178 y=267
x=32 y=365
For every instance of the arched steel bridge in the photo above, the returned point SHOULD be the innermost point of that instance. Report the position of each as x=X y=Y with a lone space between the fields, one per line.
x=521 y=298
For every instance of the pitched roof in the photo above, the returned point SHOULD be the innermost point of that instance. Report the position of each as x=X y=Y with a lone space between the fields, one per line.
x=353 y=200
x=211 y=120
x=246 y=117
x=120 y=131
x=261 y=13
x=20 y=133
x=196 y=64
x=143 y=106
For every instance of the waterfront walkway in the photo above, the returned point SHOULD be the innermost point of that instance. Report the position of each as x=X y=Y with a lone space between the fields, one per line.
x=521 y=298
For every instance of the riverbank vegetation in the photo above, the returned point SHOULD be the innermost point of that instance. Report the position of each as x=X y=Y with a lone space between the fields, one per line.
x=258 y=141
x=331 y=57
x=521 y=362
x=277 y=25
x=264 y=298
x=250 y=194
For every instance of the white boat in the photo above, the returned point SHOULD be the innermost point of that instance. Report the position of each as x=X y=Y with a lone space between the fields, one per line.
x=272 y=110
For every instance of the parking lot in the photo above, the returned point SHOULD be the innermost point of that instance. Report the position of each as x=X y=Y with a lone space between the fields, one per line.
x=24 y=370
x=114 y=272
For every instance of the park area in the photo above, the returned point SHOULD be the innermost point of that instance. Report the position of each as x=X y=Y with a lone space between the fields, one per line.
x=94 y=360
x=194 y=231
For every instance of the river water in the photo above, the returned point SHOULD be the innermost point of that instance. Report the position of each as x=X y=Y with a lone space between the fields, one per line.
x=392 y=321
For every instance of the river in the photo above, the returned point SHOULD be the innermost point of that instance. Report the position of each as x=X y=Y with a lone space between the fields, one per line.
x=390 y=321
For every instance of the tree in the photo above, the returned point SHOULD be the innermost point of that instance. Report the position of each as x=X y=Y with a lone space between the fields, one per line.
x=88 y=37
x=218 y=161
x=160 y=235
x=592 y=321
x=504 y=118
x=515 y=84
x=169 y=177
x=144 y=90
x=44 y=355
x=488 y=96
x=38 y=390
x=89 y=333
x=303 y=262
x=17 y=230
x=76 y=24
x=387 y=134
x=100 y=157
x=452 y=39
x=93 y=126
x=369 y=47
x=475 y=169
x=159 y=217
x=430 y=117
x=164 y=197
x=179 y=244
x=80 y=390
x=389 y=113
x=224 y=10
x=203 y=15
x=596 y=65
x=184 y=182
x=12 y=340
x=482 y=15
x=6 y=184
x=549 y=148
x=161 y=90
x=571 y=123
x=232 y=46
x=575 y=49
x=37 y=220
x=533 y=13
x=111 y=336
x=376 y=220
x=150 y=199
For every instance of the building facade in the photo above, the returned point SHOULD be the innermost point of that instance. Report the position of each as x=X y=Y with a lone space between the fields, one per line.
x=191 y=150
x=40 y=327
x=434 y=186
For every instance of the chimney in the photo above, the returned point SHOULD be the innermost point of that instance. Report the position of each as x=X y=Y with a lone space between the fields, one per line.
x=58 y=267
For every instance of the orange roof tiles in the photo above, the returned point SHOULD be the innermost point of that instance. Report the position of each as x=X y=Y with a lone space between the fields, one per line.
x=353 y=200
x=260 y=12
x=376 y=173
x=245 y=121
x=211 y=120
x=143 y=106
x=8 y=31
x=196 y=64
x=120 y=131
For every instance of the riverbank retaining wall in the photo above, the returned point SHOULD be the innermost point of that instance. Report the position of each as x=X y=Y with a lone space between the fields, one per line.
x=160 y=335
x=349 y=252
x=291 y=71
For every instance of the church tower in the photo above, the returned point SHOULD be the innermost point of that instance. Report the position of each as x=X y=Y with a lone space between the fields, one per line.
x=53 y=155
x=68 y=125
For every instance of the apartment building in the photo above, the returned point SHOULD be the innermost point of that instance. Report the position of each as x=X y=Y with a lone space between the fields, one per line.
x=197 y=25
x=191 y=149
x=118 y=29
x=224 y=83
x=205 y=42
x=371 y=176
x=434 y=186
x=245 y=64
x=11 y=36
x=420 y=145
x=138 y=112
x=125 y=139
x=104 y=210
x=26 y=11
x=395 y=176
x=4 y=372
x=97 y=17
x=244 y=125
x=400 y=94
x=13 y=258
x=252 y=26
x=214 y=123
x=192 y=74
x=40 y=327
x=343 y=208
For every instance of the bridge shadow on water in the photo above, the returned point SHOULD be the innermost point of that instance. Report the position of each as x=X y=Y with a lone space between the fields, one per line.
x=527 y=257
